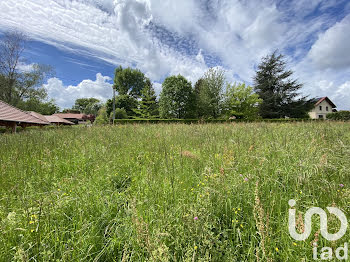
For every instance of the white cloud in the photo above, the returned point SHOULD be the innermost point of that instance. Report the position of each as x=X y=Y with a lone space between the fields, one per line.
x=332 y=48
x=65 y=96
x=236 y=34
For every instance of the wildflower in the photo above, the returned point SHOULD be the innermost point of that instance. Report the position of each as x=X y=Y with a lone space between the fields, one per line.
x=241 y=226
x=195 y=247
x=276 y=249
x=200 y=195
x=31 y=222
x=294 y=243
x=236 y=212
x=195 y=218
x=240 y=175
x=300 y=192
x=192 y=189
x=341 y=185
x=239 y=209
x=58 y=190
x=32 y=230
x=245 y=179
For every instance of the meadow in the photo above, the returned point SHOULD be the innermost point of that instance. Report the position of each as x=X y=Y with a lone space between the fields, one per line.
x=170 y=192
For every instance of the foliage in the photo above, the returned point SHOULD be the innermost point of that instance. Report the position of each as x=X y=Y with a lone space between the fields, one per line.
x=87 y=105
x=177 y=98
x=18 y=85
x=127 y=102
x=209 y=91
x=169 y=192
x=120 y=113
x=102 y=117
x=241 y=100
x=39 y=106
x=340 y=115
x=148 y=105
x=130 y=81
x=279 y=92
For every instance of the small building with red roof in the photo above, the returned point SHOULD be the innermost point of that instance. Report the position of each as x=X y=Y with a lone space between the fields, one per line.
x=322 y=107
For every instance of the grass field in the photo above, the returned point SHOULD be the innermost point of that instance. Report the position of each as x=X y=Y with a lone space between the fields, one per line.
x=214 y=192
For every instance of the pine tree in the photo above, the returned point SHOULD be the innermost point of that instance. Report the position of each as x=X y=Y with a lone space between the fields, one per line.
x=279 y=92
x=148 y=106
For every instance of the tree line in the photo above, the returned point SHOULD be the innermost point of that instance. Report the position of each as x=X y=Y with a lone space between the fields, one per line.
x=274 y=94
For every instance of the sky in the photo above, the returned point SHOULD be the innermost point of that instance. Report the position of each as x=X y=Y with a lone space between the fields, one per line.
x=85 y=40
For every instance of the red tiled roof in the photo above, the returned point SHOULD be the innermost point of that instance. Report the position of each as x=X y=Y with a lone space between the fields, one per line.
x=57 y=119
x=70 y=116
x=12 y=114
x=327 y=99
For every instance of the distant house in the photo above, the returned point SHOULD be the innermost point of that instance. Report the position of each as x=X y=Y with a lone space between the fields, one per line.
x=322 y=107
x=54 y=120
x=74 y=118
x=12 y=117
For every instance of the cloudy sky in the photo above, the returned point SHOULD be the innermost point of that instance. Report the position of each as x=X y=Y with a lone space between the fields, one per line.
x=86 y=39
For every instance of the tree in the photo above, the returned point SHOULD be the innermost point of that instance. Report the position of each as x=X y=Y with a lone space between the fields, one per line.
x=127 y=102
x=87 y=105
x=279 y=92
x=177 y=98
x=210 y=89
x=41 y=107
x=130 y=81
x=148 y=106
x=102 y=117
x=240 y=100
x=17 y=84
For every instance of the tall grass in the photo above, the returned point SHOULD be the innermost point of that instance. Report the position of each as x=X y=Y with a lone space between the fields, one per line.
x=214 y=192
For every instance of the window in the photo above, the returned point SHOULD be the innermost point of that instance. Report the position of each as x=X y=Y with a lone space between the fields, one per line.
x=320 y=108
x=320 y=116
x=326 y=108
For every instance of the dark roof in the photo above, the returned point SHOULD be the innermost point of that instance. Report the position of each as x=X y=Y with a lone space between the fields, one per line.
x=327 y=99
x=10 y=113
x=70 y=116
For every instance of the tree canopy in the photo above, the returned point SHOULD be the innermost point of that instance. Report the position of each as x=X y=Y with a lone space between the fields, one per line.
x=16 y=84
x=177 y=98
x=273 y=83
x=128 y=81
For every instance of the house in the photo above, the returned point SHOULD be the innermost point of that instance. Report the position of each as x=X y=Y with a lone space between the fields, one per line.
x=322 y=107
x=74 y=118
x=54 y=120
x=12 y=117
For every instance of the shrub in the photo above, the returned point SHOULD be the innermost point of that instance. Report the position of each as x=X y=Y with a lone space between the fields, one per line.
x=341 y=115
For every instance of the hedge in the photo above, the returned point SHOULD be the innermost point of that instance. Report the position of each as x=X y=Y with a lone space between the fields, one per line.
x=206 y=121
x=341 y=115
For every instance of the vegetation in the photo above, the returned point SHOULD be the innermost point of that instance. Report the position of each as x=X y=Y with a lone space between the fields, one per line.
x=340 y=115
x=177 y=98
x=240 y=100
x=22 y=87
x=171 y=192
x=278 y=91
x=87 y=105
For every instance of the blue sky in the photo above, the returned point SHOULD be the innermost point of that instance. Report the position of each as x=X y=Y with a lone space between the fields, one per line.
x=84 y=40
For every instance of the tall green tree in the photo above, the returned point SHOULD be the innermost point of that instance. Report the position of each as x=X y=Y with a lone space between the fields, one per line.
x=87 y=105
x=130 y=81
x=240 y=100
x=177 y=98
x=16 y=83
x=210 y=90
x=126 y=102
x=148 y=105
x=39 y=106
x=273 y=83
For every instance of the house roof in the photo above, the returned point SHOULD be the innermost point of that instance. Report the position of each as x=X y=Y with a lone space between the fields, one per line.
x=58 y=120
x=52 y=119
x=10 y=113
x=327 y=99
x=70 y=116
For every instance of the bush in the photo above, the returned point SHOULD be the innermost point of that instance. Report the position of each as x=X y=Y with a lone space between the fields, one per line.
x=341 y=115
x=120 y=113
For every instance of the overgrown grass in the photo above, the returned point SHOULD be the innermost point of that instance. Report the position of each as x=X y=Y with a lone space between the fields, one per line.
x=214 y=192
